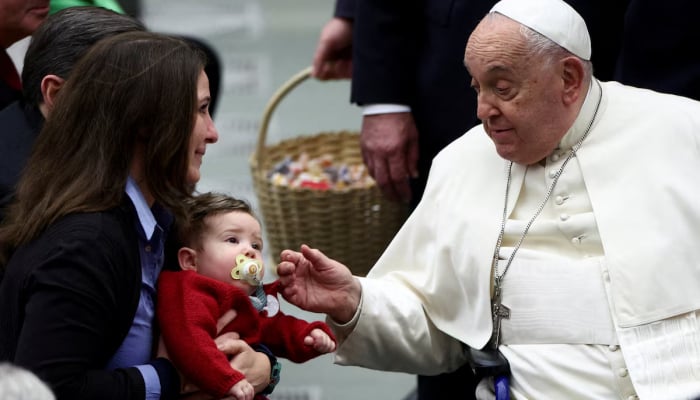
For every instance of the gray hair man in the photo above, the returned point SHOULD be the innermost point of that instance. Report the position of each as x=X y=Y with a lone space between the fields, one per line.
x=546 y=252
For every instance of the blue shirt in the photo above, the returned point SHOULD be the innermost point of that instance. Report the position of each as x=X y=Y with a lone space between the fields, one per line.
x=137 y=348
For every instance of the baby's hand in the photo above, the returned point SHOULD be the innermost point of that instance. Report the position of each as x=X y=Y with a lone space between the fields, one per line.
x=242 y=390
x=320 y=341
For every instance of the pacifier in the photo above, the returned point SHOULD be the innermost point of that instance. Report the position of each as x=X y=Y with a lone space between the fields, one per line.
x=248 y=270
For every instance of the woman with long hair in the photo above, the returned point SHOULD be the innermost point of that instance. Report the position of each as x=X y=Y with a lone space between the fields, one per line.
x=84 y=240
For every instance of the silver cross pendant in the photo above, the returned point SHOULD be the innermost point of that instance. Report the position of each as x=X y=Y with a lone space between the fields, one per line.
x=498 y=313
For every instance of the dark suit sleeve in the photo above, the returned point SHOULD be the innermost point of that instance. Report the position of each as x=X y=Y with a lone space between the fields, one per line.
x=345 y=9
x=385 y=36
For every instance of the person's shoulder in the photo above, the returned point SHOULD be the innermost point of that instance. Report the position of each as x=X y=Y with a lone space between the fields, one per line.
x=18 y=125
x=467 y=148
x=189 y=283
x=623 y=94
x=109 y=222
x=644 y=113
x=12 y=109
x=108 y=234
x=80 y=245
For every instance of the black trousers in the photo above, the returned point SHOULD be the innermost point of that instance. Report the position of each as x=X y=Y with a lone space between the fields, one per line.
x=460 y=384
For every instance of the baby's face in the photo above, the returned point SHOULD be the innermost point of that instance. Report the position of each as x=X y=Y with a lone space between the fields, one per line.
x=228 y=235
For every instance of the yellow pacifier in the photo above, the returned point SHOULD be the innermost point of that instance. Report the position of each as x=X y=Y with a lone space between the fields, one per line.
x=248 y=269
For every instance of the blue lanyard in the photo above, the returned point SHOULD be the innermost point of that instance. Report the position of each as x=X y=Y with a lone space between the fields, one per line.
x=501 y=386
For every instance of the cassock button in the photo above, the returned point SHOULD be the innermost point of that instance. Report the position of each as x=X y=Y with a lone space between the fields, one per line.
x=576 y=240
x=559 y=200
x=147 y=248
x=633 y=397
x=552 y=173
x=555 y=157
x=622 y=372
x=564 y=217
x=613 y=347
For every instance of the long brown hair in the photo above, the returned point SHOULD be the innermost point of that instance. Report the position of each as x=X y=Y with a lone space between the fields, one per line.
x=136 y=86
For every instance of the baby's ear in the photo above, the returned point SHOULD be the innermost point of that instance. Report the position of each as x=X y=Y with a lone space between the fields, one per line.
x=187 y=258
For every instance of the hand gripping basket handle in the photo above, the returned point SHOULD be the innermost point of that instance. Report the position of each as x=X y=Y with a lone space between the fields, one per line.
x=287 y=87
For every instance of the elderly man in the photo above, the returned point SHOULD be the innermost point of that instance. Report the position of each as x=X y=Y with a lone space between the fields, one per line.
x=571 y=250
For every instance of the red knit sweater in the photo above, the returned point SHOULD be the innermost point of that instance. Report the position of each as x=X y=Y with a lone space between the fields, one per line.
x=188 y=308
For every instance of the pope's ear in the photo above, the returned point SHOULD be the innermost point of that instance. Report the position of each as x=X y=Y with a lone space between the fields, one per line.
x=187 y=258
x=50 y=86
x=573 y=76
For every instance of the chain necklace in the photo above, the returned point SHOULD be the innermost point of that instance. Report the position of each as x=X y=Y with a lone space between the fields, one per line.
x=498 y=310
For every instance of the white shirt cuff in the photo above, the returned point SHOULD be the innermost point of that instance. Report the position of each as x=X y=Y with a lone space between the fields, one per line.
x=342 y=331
x=372 y=109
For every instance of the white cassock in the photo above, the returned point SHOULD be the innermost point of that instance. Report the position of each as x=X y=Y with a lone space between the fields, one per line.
x=605 y=290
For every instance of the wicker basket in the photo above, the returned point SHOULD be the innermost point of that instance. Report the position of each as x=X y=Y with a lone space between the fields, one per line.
x=351 y=225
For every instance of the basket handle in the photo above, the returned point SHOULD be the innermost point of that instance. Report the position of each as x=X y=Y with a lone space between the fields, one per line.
x=287 y=87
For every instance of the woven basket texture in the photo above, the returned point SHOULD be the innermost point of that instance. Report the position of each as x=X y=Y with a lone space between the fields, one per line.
x=351 y=225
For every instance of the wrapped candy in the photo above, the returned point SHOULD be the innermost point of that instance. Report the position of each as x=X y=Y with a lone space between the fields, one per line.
x=319 y=173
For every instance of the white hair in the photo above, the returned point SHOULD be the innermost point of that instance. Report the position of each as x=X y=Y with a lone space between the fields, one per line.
x=17 y=383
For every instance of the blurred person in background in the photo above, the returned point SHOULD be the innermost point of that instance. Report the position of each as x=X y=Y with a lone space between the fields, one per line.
x=53 y=51
x=18 y=19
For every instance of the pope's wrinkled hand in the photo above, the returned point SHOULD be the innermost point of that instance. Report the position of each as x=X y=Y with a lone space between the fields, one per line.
x=313 y=282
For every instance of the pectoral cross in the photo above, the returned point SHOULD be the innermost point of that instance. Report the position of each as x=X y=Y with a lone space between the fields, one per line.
x=498 y=312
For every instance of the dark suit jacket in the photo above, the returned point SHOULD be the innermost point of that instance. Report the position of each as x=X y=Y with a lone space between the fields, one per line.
x=67 y=301
x=660 y=47
x=8 y=94
x=20 y=124
x=411 y=52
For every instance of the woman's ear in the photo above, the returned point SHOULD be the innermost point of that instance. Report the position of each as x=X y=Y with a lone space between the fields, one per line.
x=187 y=258
x=50 y=86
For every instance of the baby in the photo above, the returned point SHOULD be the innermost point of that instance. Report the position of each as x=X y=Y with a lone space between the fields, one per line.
x=222 y=270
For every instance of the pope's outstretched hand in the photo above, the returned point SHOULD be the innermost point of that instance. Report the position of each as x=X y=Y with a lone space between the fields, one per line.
x=313 y=282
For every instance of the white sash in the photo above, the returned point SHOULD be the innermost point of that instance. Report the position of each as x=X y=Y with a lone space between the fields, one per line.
x=556 y=301
x=663 y=357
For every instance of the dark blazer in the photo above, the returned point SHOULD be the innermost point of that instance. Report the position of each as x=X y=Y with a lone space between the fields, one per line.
x=8 y=94
x=68 y=300
x=19 y=126
x=660 y=47
x=412 y=52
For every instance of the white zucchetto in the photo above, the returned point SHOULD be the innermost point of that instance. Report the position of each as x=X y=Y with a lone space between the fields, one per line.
x=553 y=19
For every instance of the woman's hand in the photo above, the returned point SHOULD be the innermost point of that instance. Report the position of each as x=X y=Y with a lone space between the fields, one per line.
x=251 y=363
